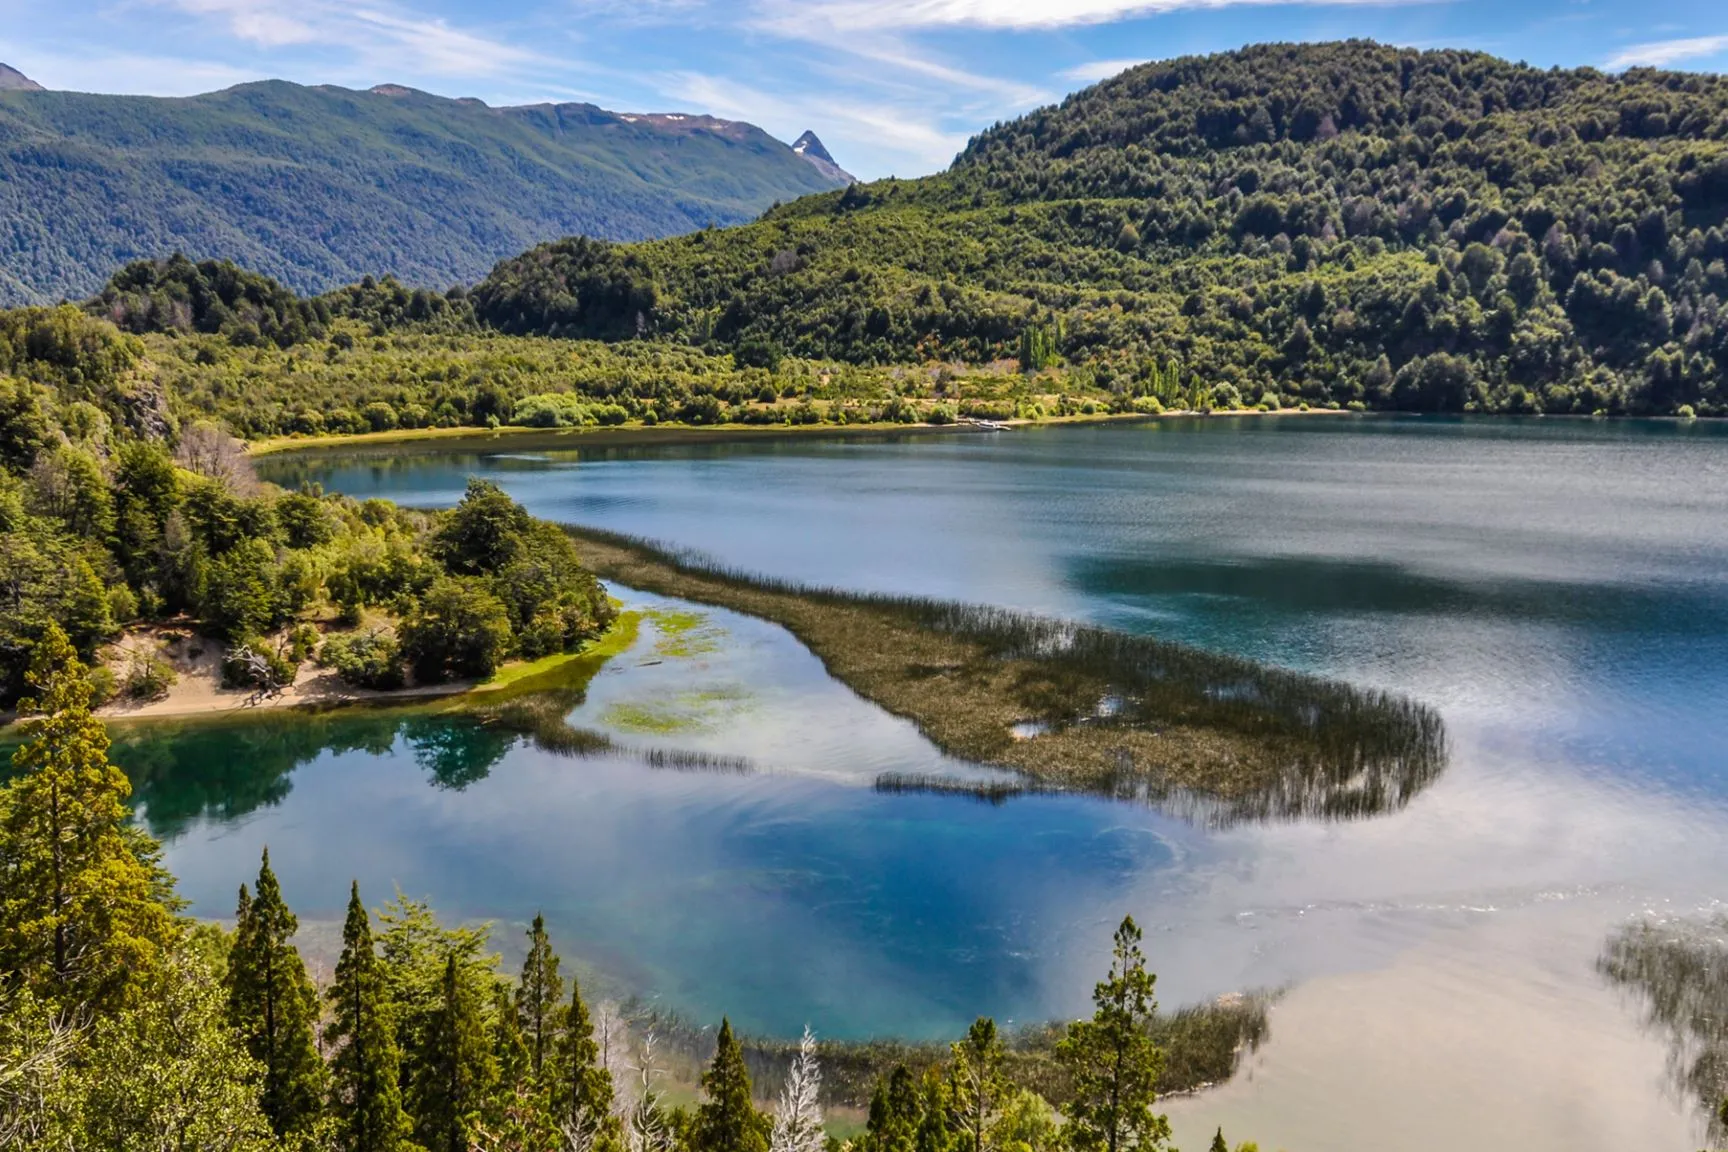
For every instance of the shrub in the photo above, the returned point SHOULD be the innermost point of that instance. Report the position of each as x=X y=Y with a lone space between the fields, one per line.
x=369 y=660
x=147 y=677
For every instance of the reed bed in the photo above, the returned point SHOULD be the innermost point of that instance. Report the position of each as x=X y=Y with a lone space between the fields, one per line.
x=1213 y=737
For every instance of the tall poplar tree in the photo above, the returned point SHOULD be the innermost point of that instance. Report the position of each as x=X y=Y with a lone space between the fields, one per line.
x=581 y=1085
x=455 y=1072
x=538 y=997
x=1114 y=1063
x=86 y=915
x=978 y=1083
x=273 y=1006
x=366 y=1095
x=727 y=1120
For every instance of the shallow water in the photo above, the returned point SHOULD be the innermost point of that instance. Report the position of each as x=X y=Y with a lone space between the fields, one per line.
x=1558 y=589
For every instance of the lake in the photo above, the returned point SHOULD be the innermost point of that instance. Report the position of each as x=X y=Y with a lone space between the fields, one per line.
x=1558 y=589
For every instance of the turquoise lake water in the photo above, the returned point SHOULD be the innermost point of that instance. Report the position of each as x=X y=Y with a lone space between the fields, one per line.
x=1559 y=590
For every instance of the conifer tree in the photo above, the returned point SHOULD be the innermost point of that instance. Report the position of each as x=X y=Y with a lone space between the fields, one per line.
x=1218 y=1144
x=1114 y=1063
x=86 y=916
x=366 y=1096
x=727 y=1121
x=272 y=1004
x=798 y=1121
x=455 y=1072
x=935 y=1133
x=581 y=1086
x=978 y=1083
x=894 y=1113
x=538 y=997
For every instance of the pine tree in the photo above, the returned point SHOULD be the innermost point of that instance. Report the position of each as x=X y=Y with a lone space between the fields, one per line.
x=455 y=1072
x=86 y=916
x=978 y=1083
x=366 y=1096
x=581 y=1086
x=538 y=996
x=1218 y=1144
x=894 y=1113
x=935 y=1133
x=1114 y=1063
x=727 y=1121
x=272 y=1004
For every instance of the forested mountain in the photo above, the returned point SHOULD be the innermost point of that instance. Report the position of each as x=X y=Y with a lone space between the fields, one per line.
x=321 y=186
x=1341 y=223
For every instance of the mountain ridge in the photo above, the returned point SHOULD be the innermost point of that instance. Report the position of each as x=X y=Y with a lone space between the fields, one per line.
x=810 y=146
x=320 y=185
x=12 y=80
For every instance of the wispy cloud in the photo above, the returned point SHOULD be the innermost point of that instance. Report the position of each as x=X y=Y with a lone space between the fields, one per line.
x=1096 y=70
x=377 y=34
x=1661 y=53
x=1028 y=15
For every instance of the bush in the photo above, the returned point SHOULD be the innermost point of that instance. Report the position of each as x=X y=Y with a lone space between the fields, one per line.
x=147 y=677
x=370 y=660
x=941 y=414
x=1685 y=412
x=249 y=662
x=459 y=629
x=1149 y=405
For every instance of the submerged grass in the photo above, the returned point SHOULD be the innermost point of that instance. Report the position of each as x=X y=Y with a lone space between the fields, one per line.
x=1216 y=738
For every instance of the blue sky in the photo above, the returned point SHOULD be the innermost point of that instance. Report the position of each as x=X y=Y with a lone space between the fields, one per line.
x=891 y=86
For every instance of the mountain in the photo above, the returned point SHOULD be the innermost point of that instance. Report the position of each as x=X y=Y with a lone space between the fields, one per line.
x=810 y=146
x=1344 y=223
x=319 y=186
x=12 y=80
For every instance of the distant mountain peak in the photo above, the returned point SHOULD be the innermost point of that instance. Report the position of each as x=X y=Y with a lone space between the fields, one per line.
x=811 y=148
x=12 y=80
x=391 y=90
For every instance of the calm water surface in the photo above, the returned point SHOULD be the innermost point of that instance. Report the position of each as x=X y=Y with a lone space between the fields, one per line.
x=1559 y=590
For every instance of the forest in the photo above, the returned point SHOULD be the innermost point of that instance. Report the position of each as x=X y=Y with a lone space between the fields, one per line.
x=320 y=185
x=112 y=514
x=125 y=1025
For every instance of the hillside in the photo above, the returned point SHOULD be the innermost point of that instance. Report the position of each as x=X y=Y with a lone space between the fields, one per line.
x=321 y=186
x=1338 y=223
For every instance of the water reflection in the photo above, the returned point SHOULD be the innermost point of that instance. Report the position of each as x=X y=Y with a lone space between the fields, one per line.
x=1678 y=971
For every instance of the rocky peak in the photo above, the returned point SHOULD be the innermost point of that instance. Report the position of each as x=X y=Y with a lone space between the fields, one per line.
x=12 y=80
x=809 y=146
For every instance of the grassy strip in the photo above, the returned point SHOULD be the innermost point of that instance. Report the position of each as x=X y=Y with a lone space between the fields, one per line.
x=1219 y=738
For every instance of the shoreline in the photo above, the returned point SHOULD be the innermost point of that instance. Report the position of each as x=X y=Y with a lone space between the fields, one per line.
x=635 y=433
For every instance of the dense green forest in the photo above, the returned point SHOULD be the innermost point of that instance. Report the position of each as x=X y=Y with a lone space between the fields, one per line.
x=321 y=185
x=1337 y=223
x=125 y=1025
x=111 y=514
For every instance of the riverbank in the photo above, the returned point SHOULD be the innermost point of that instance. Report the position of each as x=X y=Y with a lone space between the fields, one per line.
x=1217 y=738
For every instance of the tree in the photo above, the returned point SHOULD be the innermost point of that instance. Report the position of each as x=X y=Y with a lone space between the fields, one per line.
x=581 y=1085
x=935 y=1132
x=453 y=1075
x=273 y=1006
x=170 y=1073
x=978 y=1083
x=1218 y=1144
x=1114 y=1063
x=538 y=994
x=366 y=1090
x=894 y=1113
x=483 y=531
x=86 y=915
x=727 y=1121
x=798 y=1122
x=458 y=629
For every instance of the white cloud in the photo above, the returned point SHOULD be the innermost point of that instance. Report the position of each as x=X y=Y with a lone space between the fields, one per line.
x=131 y=73
x=379 y=35
x=1661 y=53
x=1096 y=70
x=1022 y=15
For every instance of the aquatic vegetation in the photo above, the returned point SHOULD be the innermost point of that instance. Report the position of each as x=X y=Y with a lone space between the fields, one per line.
x=685 y=635
x=1212 y=737
x=1679 y=972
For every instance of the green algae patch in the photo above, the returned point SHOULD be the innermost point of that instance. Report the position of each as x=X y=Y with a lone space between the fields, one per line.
x=704 y=710
x=685 y=635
